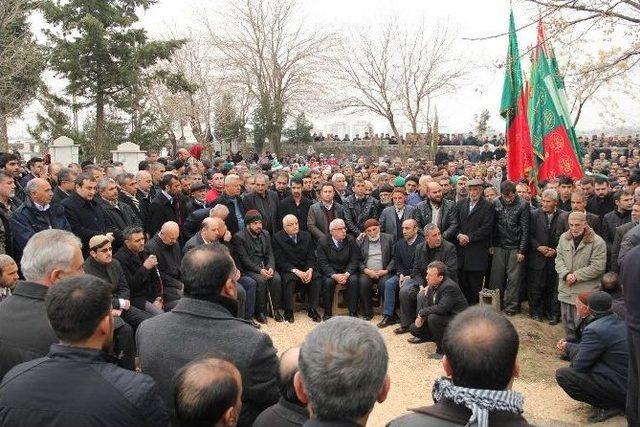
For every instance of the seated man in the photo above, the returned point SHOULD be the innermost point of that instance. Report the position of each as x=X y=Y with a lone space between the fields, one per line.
x=208 y=392
x=166 y=249
x=437 y=304
x=289 y=411
x=481 y=349
x=376 y=263
x=53 y=390
x=295 y=260
x=599 y=363
x=338 y=258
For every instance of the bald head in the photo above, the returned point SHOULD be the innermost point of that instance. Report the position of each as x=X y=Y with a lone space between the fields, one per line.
x=288 y=369
x=39 y=191
x=169 y=233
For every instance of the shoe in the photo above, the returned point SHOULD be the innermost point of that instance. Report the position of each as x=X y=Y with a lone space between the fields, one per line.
x=260 y=317
x=387 y=321
x=314 y=315
x=326 y=317
x=254 y=324
x=353 y=314
x=367 y=317
x=436 y=356
x=602 y=415
x=415 y=340
x=277 y=316
x=509 y=313
x=536 y=318
x=554 y=321
x=401 y=330
x=288 y=316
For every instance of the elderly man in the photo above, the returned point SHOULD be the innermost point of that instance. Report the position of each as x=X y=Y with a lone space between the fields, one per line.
x=621 y=233
x=439 y=211
x=580 y=262
x=118 y=216
x=36 y=214
x=438 y=303
x=579 y=204
x=234 y=203
x=264 y=201
x=210 y=231
x=128 y=195
x=296 y=261
x=358 y=208
x=323 y=212
x=338 y=260
x=253 y=253
x=547 y=225
x=393 y=216
x=8 y=276
x=66 y=183
x=166 y=249
x=339 y=183
x=377 y=263
x=599 y=362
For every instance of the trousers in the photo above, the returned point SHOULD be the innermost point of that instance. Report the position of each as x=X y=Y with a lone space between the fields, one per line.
x=586 y=388
x=352 y=294
x=366 y=292
x=542 y=291
x=275 y=291
x=246 y=297
x=408 y=304
x=633 y=388
x=312 y=290
x=471 y=285
x=390 y=286
x=506 y=275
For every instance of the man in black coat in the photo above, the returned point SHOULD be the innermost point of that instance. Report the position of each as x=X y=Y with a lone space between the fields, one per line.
x=617 y=217
x=620 y=234
x=168 y=205
x=437 y=305
x=437 y=210
x=264 y=201
x=205 y=321
x=117 y=216
x=602 y=201
x=475 y=217
x=232 y=200
x=85 y=217
x=166 y=249
x=52 y=391
x=358 y=208
x=294 y=252
x=294 y=204
x=546 y=227
x=128 y=194
x=66 y=184
x=338 y=261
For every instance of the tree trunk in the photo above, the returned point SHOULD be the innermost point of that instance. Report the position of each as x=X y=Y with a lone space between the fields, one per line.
x=274 y=140
x=4 y=133
x=98 y=142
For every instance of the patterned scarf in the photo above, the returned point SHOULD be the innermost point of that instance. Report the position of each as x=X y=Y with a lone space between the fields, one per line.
x=480 y=402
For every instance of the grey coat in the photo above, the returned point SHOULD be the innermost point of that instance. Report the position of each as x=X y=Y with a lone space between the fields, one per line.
x=388 y=220
x=317 y=222
x=619 y=235
x=386 y=243
x=197 y=328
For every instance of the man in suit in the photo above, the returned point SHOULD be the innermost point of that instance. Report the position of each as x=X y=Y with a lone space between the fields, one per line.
x=143 y=194
x=623 y=200
x=66 y=183
x=205 y=321
x=35 y=165
x=209 y=232
x=294 y=204
x=253 y=253
x=128 y=194
x=358 y=208
x=392 y=217
x=164 y=245
x=579 y=204
x=376 y=263
x=438 y=304
x=323 y=212
x=621 y=232
x=546 y=227
x=118 y=216
x=338 y=260
x=602 y=201
x=167 y=205
x=296 y=262
x=232 y=200
x=264 y=201
x=475 y=217
x=439 y=211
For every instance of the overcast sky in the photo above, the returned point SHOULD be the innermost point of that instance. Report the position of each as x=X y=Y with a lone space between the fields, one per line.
x=472 y=19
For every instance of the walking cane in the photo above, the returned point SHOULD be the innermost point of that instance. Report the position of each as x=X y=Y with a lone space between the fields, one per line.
x=270 y=303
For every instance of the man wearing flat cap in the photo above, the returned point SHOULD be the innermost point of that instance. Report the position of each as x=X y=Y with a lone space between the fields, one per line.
x=376 y=263
x=198 y=194
x=254 y=257
x=599 y=362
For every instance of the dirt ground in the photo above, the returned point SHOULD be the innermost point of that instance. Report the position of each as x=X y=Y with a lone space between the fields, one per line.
x=412 y=373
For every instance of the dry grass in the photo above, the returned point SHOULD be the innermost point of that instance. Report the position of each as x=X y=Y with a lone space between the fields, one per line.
x=412 y=373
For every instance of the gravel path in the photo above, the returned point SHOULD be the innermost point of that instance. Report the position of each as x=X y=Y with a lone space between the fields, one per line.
x=412 y=373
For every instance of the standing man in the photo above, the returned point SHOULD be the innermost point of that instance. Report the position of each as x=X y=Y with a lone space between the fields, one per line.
x=232 y=200
x=167 y=205
x=579 y=204
x=565 y=188
x=623 y=200
x=35 y=166
x=510 y=239
x=323 y=212
x=118 y=216
x=621 y=233
x=128 y=195
x=66 y=183
x=264 y=201
x=629 y=273
x=376 y=263
x=393 y=216
x=358 y=208
x=439 y=211
x=294 y=204
x=85 y=217
x=602 y=202
x=475 y=217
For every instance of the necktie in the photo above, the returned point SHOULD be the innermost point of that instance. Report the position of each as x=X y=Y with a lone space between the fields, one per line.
x=176 y=208
x=295 y=239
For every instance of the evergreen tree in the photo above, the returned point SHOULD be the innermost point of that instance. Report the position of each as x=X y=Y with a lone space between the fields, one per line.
x=300 y=131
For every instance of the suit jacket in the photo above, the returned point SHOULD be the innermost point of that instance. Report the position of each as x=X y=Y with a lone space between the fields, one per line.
x=248 y=256
x=195 y=240
x=282 y=414
x=85 y=217
x=203 y=328
x=118 y=218
x=447 y=222
x=445 y=300
x=232 y=221
x=446 y=253
x=143 y=283
x=541 y=233
x=288 y=206
x=388 y=259
x=332 y=260
x=169 y=258
x=290 y=255
x=137 y=211
x=162 y=210
x=478 y=226
x=267 y=206
x=388 y=220
x=620 y=233
x=317 y=221
x=58 y=195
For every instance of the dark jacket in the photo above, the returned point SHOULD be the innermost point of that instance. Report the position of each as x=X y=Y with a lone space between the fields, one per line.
x=118 y=218
x=267 y=206
x=58 y=195
x=194 y=204
x=543 y=233
x=162 y=210
x=619 y=235
x=386 y=244
x=405 y=255
x=317 y=220
x=610 y=222
x=145 y=206
x=332 y=260
x=6 y=240
x=195 y=240
x=143 y=284
x=601 y=206
x=252 y=253
x=33 y=337
x=446 y=253
x=193 y=223
x=446 y=413
x=356 y=212
x=447 y=222
x=445 y=300
x=197 y=328
x=112 y=274
x=389 y=220
x=282 y=414
x=511 y=224
x=137 y=211
x=86 y=219
x=169 y=258
x=232 y=220
x=629 y=273
x=289 y=255
x=288 y=206
x=603 y=352
x=52 y=391
x=27 y=220
x=478 y=226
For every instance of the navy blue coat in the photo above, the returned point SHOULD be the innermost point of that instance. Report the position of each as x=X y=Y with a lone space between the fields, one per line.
x=85 y=217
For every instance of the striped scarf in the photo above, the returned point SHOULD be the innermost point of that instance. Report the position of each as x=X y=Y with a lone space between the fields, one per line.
x=480 y=402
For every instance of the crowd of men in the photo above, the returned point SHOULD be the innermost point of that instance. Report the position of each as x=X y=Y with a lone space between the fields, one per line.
x=208 y=251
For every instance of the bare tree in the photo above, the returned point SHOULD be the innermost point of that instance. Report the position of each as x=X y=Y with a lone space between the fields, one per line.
x=267 y=47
